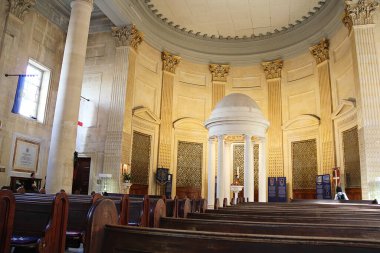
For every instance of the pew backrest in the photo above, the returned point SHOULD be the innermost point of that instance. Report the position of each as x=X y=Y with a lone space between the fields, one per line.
x=7 y=213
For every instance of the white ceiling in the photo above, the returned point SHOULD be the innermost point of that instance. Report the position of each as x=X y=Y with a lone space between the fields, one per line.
x=234 y=17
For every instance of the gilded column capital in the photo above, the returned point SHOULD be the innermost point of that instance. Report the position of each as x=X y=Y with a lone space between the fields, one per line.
x=169 y=61
x=360 y=13
x=320 y=51
x=272 y=69
x=219 y=72
x=127 y=36
x=21 y=7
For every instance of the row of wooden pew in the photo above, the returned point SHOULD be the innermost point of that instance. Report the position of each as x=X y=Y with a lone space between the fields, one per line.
x=258 y=227
x=51 y=223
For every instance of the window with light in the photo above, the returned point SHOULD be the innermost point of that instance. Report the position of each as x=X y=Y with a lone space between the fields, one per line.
x=34 y=94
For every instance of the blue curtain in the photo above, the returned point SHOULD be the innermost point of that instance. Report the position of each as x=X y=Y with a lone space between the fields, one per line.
x=18 y=96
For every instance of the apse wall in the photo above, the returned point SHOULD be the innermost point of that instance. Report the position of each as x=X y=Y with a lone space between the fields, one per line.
x=39 y=39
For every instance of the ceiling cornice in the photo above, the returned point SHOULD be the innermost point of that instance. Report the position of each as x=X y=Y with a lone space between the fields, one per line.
x=283 y=44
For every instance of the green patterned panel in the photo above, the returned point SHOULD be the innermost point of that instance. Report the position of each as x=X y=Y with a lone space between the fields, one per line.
x=140 y=158
x=238 y=161
x=189 y=164
x=351 y=157
x=305 y=164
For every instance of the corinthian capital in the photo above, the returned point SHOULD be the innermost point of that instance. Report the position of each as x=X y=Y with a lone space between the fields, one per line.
x=169 y=61
x=320 y=51
x=127 y=36
x=219 y=72
x=21 y=7
x=361 y=12
x=272 y=69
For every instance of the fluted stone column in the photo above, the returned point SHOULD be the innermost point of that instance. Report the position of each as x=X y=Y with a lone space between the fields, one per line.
x=169 y=65
x=64 y=132
x=227 y=171
x=321 y=54
x=219 y=74
x=249 y=178
x=262 y=172
x=118 y=137
x=367 y=88
x=211 y=173
x=275 y=153
x=220 y=193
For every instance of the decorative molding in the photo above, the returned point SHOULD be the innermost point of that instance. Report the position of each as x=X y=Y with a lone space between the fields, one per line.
x=169 y=61
x=88 y=1
x=272 y=69
x=302 y=121
x=345 y=107
x=347 y=21
x=190 y=124
x=320 y=51
x=219 y=72
x=145 y=114
x=127 y=36
x=360 y=13
x=154 y=12
x=21 y=7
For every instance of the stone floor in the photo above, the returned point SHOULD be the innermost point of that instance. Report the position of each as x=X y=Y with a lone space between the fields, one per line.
x=74 y=250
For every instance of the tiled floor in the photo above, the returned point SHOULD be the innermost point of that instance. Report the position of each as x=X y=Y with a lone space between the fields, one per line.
x=74 y=250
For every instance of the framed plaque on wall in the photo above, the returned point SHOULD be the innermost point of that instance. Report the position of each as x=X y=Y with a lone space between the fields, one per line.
x=25 y=156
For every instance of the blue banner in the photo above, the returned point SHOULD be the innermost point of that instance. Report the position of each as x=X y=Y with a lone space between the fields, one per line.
x=281 y=189
x=18 y=96
x=272 y=191
x=319 y=186
x=326 y=186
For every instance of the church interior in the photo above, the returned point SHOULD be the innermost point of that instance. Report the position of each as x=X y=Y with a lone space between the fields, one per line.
x=209 y=103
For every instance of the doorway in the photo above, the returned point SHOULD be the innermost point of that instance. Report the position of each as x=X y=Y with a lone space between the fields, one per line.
x=81 y=176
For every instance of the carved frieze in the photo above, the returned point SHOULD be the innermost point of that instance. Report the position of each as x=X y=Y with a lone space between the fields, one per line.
x=127 y=36
x=360 y=13
x=272 y=69
x=21 y=7
x=320 y=51
x=219 y=72
x=169 y=62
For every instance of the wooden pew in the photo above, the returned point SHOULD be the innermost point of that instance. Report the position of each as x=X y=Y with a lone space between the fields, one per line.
x=171 y=205
x=133 y=239
x=7 y=213
x=183 y=207
x=102 y=212
x=274 y=228
x=283 y=218
x=41 y=223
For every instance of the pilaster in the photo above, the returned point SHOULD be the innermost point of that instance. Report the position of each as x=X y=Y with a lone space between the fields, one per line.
x=272 y=72
x=117 y=150
x=169 y=65
x=367 y=88
x=219 y=74
x=320 y=53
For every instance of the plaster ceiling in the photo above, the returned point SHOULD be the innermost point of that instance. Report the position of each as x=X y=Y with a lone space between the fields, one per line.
x=234 y=17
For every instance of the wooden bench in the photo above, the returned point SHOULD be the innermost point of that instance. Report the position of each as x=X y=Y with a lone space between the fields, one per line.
x=133 y=239
x=283 y=218
x=183 y=207
x=41 y=223
x=274 y=228
x=7 y=213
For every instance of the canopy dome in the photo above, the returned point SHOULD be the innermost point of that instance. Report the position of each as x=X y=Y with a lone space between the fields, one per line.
x=237 y=114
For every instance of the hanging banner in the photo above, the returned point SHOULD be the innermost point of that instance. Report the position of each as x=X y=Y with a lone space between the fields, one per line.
x=272 y=192
x=319 y=186
x=326 y=186
x=281 y=189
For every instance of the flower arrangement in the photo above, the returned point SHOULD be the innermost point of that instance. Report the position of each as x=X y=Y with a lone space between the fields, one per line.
x=126 y=176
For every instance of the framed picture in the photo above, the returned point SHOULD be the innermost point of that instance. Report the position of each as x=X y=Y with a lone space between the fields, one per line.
x=25 y=156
